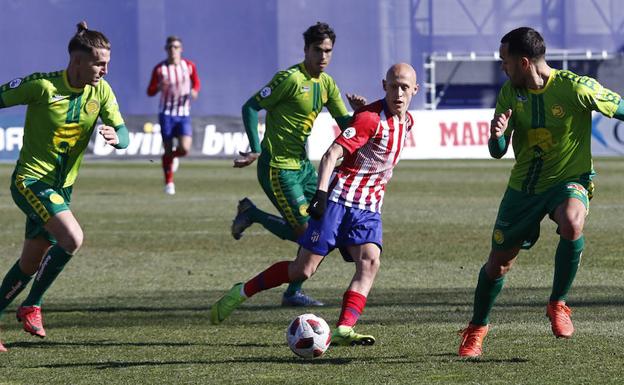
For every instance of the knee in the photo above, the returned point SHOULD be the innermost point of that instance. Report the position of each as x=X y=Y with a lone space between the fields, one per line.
x=370 y=264
x=72 y=241
x=572 y=229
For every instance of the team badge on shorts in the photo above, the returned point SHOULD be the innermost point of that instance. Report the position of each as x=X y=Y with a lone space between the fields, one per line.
x=92 y=106
x=498 y=237
x=56 y=199
x=303 y=209
x=265 y=92
x=315 y=236
x=349 y=132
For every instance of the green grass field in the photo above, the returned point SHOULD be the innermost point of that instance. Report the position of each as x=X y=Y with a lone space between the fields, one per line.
x=132 y=307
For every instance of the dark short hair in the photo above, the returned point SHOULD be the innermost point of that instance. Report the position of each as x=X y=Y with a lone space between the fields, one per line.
x=525 y=41
x=86 y=40
x=317 y=33
x=173 y=38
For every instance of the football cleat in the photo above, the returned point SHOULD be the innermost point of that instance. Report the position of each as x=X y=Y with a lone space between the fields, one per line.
x=221 y=309
x=560 y=321
x=2 y=348
x=472 y=340
x=242 y=220
x=31 y=319
x=345 y=336
x=299 y=299
x=170 y=188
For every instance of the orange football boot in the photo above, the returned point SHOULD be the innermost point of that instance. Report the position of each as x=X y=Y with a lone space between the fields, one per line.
x=472 y=340
x=560 y=322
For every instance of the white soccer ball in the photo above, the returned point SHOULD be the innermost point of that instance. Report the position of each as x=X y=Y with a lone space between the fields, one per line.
x=308 y=336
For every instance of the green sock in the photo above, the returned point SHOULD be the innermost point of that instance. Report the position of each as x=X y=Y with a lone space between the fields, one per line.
x=14 y=282
x=485 y=295
x=567 y=259
x=51 y=266
x=276 y=225
x=292 y=288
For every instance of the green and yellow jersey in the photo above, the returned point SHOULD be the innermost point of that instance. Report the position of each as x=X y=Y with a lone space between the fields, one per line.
x=59 y=122
x=551 y=129
x=293 y=99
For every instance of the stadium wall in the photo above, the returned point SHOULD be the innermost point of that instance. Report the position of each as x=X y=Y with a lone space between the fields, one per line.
x=239 y=45
x=441 y=134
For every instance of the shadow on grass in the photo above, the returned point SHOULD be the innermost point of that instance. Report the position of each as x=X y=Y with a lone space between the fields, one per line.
x=385 y=306
x=481 y=360
x=108 y=343
x=246 y=360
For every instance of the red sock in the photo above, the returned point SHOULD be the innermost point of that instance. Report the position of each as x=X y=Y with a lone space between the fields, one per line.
x=274 y=276
x=352 y=307
x=167 y=160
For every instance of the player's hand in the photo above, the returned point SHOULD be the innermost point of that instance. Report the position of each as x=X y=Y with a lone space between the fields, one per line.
x=356 y=101
x=499 y=124
x=318 y=204
x=109 y=134
x=245 y=159
x=194 y=94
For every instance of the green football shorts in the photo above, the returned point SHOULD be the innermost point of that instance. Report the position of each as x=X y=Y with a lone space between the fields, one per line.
x=520 y=213
x=290 y=191
x=40 y=202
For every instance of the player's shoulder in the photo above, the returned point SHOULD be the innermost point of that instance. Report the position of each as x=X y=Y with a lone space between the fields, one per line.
x=35 y=81
x=369 y=114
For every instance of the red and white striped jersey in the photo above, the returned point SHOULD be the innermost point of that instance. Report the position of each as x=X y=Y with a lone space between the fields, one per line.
x=372 y=145
x=175 y=82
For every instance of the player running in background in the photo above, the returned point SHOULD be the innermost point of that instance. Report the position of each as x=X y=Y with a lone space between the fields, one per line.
x=547 y=113
x=63 y=108
x=346 y=207
x=177 y=81
x=293 y=99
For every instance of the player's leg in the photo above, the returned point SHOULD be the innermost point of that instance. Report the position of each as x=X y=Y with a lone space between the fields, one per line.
x=570 y=217
x=517 y=223
x=275 y=275
x=68 y=233
x=184 y=133
x=278 y=185
x=166 y=131
x=18 y=277
x=49 y=217
x=300 y=190
x=367 y=260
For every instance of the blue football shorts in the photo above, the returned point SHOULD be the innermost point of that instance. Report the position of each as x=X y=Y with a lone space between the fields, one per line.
x=174 y=126
x=342 y=226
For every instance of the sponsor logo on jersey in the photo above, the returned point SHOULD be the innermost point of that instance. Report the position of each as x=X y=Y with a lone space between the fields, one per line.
x=557 y=111
x=498 y=237
x=521 y=98
x=349 y=132
x=56 y=199
x=92 y=106
x=305 y=88
x=56 y=98
x=265 y=92
x=15 y=83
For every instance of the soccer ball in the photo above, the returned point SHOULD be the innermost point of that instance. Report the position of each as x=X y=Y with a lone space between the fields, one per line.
x=308 y=336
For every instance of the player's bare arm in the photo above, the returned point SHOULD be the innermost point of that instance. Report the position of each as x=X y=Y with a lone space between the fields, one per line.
x=109 y=134
x=499 y=124
x=356 y=101
x=245 y=159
